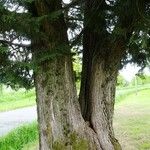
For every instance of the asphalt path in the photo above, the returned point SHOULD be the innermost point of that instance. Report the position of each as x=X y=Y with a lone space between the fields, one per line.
x=12 y=119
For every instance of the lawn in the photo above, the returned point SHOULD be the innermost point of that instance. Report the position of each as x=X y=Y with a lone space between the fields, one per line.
x=131 y=123
x=11 y=99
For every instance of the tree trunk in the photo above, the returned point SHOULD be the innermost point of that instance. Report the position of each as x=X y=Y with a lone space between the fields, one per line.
x=101 y=60
x=61 y=125
x=97 y=96
x=102 y=99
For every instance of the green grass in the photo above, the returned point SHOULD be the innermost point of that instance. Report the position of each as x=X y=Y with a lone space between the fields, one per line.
x=10 y=99
x=19 y=138
x=132 y=121
x=121 y=93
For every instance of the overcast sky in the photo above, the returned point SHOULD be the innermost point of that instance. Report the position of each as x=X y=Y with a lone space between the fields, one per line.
x=129 y=71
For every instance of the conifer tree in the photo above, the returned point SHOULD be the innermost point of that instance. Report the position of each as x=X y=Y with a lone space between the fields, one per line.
x=35 y=51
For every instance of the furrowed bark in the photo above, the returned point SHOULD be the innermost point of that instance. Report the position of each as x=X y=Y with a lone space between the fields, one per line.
x=101 y=60
x=102 y=56
x=102 y=95
x=61 y=125
x=98 y=105
x=101 y=82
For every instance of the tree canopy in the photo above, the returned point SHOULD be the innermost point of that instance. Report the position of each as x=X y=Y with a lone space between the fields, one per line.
x=20 y=24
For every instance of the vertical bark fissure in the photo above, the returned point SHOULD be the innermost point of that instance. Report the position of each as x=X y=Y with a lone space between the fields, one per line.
x=58 y=108
x=102 y=97
x=59 y=114
x=102 y=94
x=86 y=72
x=102 y=83
x=101 y=59
x=55 y=88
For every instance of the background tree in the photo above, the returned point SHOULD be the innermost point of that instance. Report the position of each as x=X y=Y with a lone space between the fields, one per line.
x=121 y=82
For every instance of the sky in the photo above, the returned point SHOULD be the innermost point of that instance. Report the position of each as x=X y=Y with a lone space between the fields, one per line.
x=129 y=71
x=66 y=1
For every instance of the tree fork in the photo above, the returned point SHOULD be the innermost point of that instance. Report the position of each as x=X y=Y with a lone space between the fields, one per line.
x=61 y=125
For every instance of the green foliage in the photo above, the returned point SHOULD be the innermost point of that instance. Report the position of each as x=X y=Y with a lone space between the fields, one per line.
x=3 y=49
x=77 y=68
x=15 y=67
x=121 y=82
x=23 y=24
x=135 y=33
x=1 y=89
x=141 y=80
x=112 y=20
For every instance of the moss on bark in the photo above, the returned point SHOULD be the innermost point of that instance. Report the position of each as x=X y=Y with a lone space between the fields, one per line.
x=75 y=143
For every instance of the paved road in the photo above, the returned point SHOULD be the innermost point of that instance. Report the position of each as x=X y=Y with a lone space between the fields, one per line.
x=12 y=119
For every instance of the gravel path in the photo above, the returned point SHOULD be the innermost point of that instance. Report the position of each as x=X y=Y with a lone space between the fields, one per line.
x=12 y=119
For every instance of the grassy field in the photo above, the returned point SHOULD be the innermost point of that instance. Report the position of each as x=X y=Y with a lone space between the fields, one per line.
x=121 y=93
x=10 y=99
x=131 y=123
